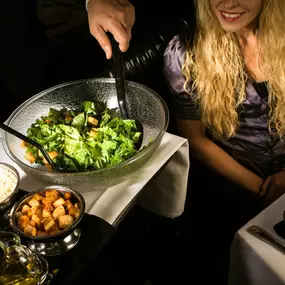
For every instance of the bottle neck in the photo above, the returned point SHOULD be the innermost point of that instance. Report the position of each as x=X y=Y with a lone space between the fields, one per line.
x=11 y=255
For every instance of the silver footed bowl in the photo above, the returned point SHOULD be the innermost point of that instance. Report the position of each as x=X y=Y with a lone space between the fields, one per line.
x=144 y=105
x=54 y=244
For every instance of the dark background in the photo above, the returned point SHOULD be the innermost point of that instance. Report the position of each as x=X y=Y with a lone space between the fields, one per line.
x=47 y=42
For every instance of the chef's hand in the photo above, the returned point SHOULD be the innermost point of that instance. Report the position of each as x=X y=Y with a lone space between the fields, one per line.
x=273 y=187
x=115 y=16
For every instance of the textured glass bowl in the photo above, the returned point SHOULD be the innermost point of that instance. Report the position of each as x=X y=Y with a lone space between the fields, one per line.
x=144 y=105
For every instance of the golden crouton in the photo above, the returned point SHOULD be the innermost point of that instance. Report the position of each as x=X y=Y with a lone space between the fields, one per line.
x=46 y=213
x=24 y=144
x=60 y=201
x=18 y=215
x=93 y=132
x=30 y=157
x=93 y=121
x=34 y=203
x=39 y=212
x=30 y=230
x=52 y=195
x=26 y=208
x=36 y=219
x=52 y=154
x=68 y=117
x=48 y=207
x=23 y=221
x=58 y=212
x=67 y=195
x=74 y=212
x=38 y=197
x=32 y=223
x=65 y=221
x=48 y=224
x=68 y=204
x=54 y=228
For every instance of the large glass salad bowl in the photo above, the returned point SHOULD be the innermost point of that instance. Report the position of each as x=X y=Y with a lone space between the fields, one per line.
x=143 y=103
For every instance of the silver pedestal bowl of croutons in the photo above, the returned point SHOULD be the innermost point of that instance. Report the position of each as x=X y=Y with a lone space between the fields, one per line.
x=48 y=219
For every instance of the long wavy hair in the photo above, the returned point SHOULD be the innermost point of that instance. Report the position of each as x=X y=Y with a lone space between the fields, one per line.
x=215 y=69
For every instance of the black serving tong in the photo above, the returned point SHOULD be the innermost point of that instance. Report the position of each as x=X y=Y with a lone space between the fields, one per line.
x=120 y=87
x=32 y=142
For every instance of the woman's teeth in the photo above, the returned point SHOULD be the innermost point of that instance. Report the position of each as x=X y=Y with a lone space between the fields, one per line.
x=231 y=16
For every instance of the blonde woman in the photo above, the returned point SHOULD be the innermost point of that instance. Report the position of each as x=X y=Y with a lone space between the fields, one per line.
x=227 y=77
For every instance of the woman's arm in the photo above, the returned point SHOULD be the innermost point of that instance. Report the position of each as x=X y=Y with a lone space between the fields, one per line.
x=216 y=158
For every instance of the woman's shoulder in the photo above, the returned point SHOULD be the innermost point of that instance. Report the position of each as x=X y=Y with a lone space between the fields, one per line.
x=175 y=51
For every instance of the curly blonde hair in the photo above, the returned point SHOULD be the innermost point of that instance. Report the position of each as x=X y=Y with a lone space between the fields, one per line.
x=215 y=70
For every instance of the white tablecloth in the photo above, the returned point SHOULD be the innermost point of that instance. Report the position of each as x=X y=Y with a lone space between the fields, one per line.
x=168 y=197
x=254 y=262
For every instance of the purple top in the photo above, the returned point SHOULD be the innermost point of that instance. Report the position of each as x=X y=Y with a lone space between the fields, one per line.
x=253 y=142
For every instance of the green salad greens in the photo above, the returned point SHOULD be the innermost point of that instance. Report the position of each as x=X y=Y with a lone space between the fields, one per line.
x=89 y=138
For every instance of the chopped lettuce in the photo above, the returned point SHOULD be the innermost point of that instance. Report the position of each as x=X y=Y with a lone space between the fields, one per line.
x=86 y=139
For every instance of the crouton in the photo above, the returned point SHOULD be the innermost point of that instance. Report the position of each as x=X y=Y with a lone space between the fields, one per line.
x=23 y=221
x=36 y=219
x=24 y=144
x=25 y=209
x=48 y=223
x=65 y=221
x=30 y=157
x=60 y=201
x=52 y=194
x=32 y=223
x=93 y=121
x=67 y=196
x=30 y=230
x=34 y=203
x=68 y=204
x=74 y=212
x=58 y=212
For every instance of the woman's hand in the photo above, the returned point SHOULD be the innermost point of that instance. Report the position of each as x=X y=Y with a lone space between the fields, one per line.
x=273 y=187
x=115 y=16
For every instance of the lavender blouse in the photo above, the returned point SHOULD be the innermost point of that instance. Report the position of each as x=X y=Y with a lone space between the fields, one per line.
x=253 y=145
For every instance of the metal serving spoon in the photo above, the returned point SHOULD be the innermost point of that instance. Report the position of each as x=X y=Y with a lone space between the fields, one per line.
x=120 y=87
x=32 y=142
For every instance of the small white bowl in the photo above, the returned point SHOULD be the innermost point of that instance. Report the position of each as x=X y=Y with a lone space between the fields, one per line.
x=9 y=185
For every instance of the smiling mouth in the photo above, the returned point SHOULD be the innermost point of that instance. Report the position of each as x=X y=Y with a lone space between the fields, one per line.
x=231 y=17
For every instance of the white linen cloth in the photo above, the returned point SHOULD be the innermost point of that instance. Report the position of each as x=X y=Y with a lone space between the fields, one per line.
x=254 y=262
x=165 y=197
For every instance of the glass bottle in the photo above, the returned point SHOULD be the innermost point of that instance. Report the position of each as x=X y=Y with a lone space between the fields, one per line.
x=19 y=265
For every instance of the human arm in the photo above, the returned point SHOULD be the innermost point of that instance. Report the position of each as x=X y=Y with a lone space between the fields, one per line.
x=114 y=16
x=215 y=157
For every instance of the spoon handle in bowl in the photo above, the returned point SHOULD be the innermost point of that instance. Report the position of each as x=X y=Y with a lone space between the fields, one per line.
x=119 y=76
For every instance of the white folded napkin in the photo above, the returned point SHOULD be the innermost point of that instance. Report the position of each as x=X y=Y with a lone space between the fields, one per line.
x=166 y=195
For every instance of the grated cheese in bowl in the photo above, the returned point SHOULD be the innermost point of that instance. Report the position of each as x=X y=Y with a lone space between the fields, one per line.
x=9 y=179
